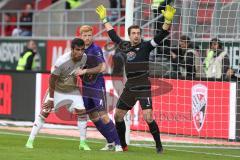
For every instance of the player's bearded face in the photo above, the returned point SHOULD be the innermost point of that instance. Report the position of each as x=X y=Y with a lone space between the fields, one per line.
x=87 y=38
x=77 y=53
x=135 y=36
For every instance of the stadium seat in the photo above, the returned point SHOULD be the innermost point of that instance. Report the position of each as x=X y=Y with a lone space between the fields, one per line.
x=205 y=12
x=147 y=1
x=224 y=2
x=44 y=4
x=204 y=16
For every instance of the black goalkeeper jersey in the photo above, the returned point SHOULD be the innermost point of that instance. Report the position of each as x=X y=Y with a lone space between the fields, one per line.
x=137 y=58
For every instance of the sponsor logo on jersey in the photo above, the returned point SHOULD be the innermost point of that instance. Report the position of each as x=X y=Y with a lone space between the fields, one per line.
x=99 y=54
x=131 y=55
x=199 y=105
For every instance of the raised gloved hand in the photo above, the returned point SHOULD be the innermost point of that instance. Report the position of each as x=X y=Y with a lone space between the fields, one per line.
x=168 y=14
x=102 y=13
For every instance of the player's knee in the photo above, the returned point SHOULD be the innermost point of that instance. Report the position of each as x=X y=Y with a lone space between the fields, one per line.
x=148 y=118
x=44 y=113
x=105 y=119
x=118 y=117
x=79 y=111
x=104 y=116
x=82 y=117
x=94 y=117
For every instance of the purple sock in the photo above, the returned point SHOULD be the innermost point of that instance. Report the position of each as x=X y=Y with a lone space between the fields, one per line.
x=112 y=132
x=101 y=128
x=108 y=131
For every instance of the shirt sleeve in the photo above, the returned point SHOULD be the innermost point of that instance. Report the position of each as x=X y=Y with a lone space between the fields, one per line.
x=157 y=40
x=99 y=56
x=159 y=37
x=114 y=37
x=57 y=67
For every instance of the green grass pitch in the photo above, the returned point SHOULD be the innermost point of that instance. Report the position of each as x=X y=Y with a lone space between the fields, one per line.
x=48 y=147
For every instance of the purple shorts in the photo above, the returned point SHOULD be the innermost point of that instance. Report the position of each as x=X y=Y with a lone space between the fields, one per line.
x=94 y=98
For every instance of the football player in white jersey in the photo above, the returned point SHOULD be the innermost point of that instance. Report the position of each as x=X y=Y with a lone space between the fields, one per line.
x=63 y=90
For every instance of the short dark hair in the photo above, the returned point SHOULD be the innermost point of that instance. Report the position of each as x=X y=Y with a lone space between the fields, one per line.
x=218 y=41
x=134 y=27
x=185 y=38
x=77 y=42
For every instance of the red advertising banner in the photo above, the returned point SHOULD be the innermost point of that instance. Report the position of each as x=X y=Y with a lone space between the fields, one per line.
x=195 y=108
x=55 y=48
x=17 y=95
x=5 y=94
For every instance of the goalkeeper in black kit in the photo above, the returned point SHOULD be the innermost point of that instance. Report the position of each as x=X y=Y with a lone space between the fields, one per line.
x=138 y=87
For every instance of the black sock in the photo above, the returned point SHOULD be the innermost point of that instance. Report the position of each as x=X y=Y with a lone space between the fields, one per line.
x=121 y=129
x=153 y=127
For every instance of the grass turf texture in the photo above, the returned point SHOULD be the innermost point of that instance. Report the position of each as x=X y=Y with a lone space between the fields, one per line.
x=64 y=148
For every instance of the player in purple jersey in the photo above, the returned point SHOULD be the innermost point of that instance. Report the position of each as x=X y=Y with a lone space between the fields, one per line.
x=93 y=90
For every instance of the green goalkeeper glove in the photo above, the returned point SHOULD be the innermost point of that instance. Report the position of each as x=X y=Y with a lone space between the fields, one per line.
x=168 y=14
x=102 y=13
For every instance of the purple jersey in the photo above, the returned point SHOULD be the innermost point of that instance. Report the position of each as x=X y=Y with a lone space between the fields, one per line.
x=94 y=58
x=94 y=95
x=95 y=55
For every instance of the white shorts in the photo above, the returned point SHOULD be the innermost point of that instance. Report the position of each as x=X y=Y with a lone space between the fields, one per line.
x=71 y=100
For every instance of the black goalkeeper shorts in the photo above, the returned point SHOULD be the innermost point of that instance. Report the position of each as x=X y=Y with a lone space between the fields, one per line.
x=129 y=97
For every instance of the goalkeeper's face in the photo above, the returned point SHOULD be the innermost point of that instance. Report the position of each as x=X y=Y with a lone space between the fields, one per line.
x=135 y=36
x=87 y=37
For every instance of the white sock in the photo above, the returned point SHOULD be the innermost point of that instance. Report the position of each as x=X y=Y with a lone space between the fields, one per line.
x=82 y=126
x=38 y=123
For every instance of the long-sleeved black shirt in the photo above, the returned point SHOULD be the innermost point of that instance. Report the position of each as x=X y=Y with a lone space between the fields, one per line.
x=137 y=59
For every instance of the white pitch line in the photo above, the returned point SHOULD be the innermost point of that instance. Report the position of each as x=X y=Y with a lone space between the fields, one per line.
x=213 y=154
x=204 y=147
x=73 y=139
x=189 y=146
x=49 y=137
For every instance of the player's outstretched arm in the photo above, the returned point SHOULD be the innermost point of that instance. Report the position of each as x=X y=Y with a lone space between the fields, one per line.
x=98 y=69
x=102 y=13
x=168 y=15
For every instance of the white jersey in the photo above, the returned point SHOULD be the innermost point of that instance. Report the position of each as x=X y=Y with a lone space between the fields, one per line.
x=66 y=68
